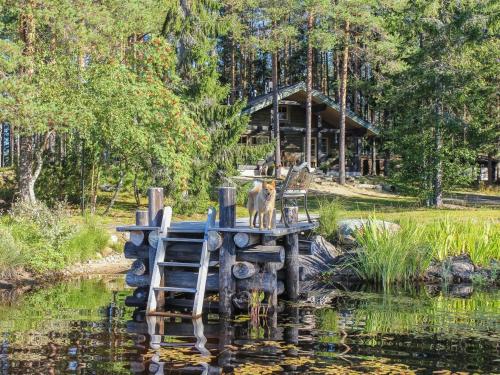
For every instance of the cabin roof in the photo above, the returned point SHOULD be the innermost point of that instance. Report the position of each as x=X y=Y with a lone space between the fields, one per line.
x=297 y=92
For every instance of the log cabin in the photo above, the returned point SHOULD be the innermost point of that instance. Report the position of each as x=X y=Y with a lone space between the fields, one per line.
x=361 y=135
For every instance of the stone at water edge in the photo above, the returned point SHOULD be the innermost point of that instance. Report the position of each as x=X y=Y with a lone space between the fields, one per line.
x=107 y=251
x=347 y=229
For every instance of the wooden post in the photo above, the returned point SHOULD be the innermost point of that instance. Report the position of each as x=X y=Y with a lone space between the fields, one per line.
x=155 y=216
x=292 y=257
x=227 y=253
x=374 y=158
x=141 y=218
x=155 y=206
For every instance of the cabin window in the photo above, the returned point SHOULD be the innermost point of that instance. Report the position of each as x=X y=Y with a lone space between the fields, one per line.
x=324 y=145
x=283 y=113
x=259 y=140
x=244 y=140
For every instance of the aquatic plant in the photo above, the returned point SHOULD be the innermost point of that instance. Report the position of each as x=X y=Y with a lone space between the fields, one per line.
x=386 y=257
x=481 y=241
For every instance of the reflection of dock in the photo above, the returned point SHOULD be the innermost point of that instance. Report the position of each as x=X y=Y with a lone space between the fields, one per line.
x=202 y=346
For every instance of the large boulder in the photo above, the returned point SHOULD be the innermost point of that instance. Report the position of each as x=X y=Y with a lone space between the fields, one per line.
x=347 y=229
x=322 y=255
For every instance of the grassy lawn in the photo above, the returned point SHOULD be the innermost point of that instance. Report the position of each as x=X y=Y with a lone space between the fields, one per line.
x=393 y=208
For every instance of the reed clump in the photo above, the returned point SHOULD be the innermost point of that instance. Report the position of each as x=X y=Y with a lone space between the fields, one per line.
x=387 y=257
x=390 y=258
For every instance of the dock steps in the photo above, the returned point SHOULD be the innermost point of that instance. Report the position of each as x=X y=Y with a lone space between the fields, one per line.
x=181 y=239
x=163 y=270
x=187 y=265
x=174 y=289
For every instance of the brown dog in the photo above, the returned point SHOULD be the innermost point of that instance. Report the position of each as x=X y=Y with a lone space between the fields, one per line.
x=261 y=199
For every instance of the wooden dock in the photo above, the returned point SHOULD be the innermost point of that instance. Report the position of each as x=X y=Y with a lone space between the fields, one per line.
x=189 y=267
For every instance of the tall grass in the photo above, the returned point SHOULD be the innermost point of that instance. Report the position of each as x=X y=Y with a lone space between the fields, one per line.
x=329 y=214
x=42 y=240
x=481 y=241
x=10 y=254
x=85 y=243
x=389 y=258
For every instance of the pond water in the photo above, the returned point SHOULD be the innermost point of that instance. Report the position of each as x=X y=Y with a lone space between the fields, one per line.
x=83 y=327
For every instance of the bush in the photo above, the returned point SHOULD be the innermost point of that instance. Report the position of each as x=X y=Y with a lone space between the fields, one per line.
x=45 y=239
x=329 y=214
x=387 y=257
x=10 y=253
x=85 y=243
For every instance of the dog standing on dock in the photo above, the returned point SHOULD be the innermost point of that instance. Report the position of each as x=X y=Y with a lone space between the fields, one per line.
x=261 y=201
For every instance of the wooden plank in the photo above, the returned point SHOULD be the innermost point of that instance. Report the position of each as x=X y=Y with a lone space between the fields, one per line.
x=204 y=263
x=244 y=270
x=227 y=256
x=292 y=257
x=129 y=228
x=159 y=256
x=155 y=206
x=141 y=218
x=262 y=254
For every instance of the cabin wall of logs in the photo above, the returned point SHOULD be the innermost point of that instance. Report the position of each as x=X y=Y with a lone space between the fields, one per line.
x=249 y=261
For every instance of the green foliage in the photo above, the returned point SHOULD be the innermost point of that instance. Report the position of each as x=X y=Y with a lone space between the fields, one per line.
x=480 y=240
x=45 y=240
x=329 y=214
x=85 y=243
x=10 y=254
x=389 y=258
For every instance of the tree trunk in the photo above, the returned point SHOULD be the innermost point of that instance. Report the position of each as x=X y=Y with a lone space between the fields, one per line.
x=491 y=171
x=26 y=147
x=276 y=122
x=233 y=72
x=117 y=190
x=438 y=168
x=310 y=21
x=25 y=169
x=343 y=91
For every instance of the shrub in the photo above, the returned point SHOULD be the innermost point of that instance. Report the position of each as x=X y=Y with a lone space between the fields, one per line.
x=329 y=214
x=10 y=253
x=45 y=239
x=387 y=257
x=85 y=243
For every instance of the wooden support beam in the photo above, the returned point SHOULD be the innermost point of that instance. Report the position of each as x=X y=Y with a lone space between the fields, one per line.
x=292 y=257
x=141 y=217
x=265 y=281
x=155 y=206
x=244 y=270
x=227 y=254
x=137 y=237
x=262 y=254
x=246 y=239
x=138 y=267
x=181 y=279
x=214 y=240
x=132 y=251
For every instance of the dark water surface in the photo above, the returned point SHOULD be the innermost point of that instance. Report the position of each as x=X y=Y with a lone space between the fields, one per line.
x=82 y=327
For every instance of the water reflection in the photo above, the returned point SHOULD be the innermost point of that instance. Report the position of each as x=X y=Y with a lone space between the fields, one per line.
x=82 y=327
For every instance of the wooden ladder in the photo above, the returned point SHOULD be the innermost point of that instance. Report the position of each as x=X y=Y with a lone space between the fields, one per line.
x=159 y=267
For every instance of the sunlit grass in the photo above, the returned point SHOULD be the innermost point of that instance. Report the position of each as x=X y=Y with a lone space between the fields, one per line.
x=388 y=258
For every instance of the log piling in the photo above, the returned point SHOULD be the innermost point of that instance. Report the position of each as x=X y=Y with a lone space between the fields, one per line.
x=242 y=261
